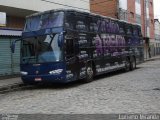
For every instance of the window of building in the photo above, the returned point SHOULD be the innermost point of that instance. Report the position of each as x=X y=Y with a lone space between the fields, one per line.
x=138 y=19
x=148 y=22
x=123 y=14
x=131 y=15
x=152 y=23
x=147 y=3
x=151 y=4
x=138 y=1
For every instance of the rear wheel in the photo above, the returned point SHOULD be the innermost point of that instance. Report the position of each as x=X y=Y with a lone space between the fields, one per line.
x=127 y=65
x=89 y=73
x=133 y=64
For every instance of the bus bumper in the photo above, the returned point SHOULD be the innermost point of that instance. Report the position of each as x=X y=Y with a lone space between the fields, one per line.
x=34 y=79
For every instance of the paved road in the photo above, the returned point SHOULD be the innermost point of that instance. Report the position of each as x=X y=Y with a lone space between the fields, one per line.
x=137 y=91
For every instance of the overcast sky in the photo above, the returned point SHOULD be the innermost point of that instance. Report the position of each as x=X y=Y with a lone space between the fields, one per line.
x=156 y=8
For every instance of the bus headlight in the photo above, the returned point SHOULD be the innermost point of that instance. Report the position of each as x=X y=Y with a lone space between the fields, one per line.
x=24 y=73
x=57 y=72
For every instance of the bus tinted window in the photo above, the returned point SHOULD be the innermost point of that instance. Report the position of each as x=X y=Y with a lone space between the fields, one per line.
x=52 y=20
x=129 y=29
x=93 y=27
x=32 y=24
x=48 y=20
x=70 y=20
x=121 y=28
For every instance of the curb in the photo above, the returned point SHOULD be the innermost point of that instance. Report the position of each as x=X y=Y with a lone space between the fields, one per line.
x=152 y=59
x=11 y=87
x=3 y=77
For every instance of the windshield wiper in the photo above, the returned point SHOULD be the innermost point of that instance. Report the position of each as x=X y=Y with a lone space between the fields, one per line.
x=27 y=59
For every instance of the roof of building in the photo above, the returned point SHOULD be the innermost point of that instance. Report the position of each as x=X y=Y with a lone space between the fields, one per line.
x=10 y=32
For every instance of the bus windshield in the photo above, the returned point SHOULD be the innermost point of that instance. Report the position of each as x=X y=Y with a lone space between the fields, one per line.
x=43 y=21
x=41 y=49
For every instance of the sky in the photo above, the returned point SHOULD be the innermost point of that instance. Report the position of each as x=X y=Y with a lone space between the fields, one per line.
x=156 y=8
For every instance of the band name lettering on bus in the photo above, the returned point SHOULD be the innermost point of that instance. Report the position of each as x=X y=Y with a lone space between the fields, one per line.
x=107 y=26
x=109 y=44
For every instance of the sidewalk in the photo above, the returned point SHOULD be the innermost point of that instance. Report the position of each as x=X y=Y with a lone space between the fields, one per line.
x=10 y=83
x=153 y=58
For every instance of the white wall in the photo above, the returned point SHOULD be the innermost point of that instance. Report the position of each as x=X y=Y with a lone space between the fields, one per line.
x=138 y=8
x=123 y=4
x=38 y=5
x=157 y=28
x=147 y=12
x=2 y=19
x=148 y=32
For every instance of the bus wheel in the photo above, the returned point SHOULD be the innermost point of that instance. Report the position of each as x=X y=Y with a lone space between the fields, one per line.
x=89 y=73
x=127 y=65
x=133 y=64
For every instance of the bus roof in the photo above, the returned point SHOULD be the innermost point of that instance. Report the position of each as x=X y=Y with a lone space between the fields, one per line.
x=82 y=12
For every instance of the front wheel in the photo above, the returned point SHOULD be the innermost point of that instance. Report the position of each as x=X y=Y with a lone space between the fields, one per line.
x=89 y=73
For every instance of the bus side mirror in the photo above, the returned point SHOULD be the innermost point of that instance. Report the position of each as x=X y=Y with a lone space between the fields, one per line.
x=13 y=45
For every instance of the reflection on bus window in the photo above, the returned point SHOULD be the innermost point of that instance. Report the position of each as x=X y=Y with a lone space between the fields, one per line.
x=41 y=49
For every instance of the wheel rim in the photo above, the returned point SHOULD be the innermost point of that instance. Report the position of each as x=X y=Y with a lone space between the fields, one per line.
x=127 y=65
x=89 y=73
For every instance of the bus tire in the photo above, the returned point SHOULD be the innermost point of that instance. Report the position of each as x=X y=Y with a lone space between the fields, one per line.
x=89 y=73
x=127 y=65
x=133 y=63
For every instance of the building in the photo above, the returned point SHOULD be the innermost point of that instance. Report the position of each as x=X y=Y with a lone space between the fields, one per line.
x=134 y=11
x=12 y=24
x=157 y=36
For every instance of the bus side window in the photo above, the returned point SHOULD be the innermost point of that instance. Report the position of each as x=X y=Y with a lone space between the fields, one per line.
x=69 y=48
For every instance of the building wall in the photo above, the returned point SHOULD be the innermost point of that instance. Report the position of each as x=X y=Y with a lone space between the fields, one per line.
x=138 y=12
x=9 y=62
x=151 y=14
x=15 y=22
x=152 y=44
x=132 y=7
x=157 y=36
x=17 y=10
x=143 y=17
x=104 y=7
x=39 y=5
x=157 y=28
x=122 y=10
x=135 y=11
x=131 y=11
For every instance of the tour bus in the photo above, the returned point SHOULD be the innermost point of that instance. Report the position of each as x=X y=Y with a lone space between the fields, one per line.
x=60 y=46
